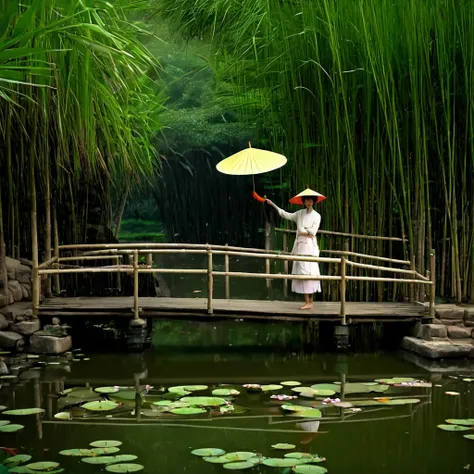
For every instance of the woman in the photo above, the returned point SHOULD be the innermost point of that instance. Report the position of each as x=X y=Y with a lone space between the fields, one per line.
x=307 y=224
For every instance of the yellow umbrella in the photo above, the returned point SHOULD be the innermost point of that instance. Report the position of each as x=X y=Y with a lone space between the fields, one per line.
x=251 y=161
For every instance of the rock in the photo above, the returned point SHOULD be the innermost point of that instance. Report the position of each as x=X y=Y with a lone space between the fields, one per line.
x=41 y=344
x=469 y=317
x=17 y=290
x=3 y=300
x=437 y=349
x=417 y=330
x=24 y=278
x=11 y=298
x=25 y=293
x=3 y=368
x=456 y=332
x=18 y=311
x=11 y=340
x=27 y=328
x=449 y=312
x=12 y=264
x=3 y=322
x=26 y=262
x=429 y=331
x=11 y=274
x=22 y=270
x=436 y=321
x=452 y=322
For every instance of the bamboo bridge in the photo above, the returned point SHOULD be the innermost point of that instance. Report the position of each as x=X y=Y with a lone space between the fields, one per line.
x=135 y=259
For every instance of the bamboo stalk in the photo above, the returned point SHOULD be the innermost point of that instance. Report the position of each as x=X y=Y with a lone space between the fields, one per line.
x=122 y=269
x=36 y=283
x=343 y=291
x=136 y=310
x=227 y=279
x=57 y=283
x=3 y=251
x=278 y=276
x=347 y=234
x=95 y=257
x=47 y=239
x=210 y=282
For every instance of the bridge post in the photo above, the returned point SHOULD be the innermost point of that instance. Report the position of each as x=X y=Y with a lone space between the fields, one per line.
x=57 y=283
x=343 y=291
x=210 y=282
x=412 y=285
x=227 y=278
x=433 y=283
x=136 y=310
x=285 y=265
x=268 y=246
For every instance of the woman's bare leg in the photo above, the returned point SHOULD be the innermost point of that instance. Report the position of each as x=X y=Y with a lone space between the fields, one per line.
x=308 y=302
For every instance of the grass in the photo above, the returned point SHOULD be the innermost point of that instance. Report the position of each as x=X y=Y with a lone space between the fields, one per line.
x=137 y=230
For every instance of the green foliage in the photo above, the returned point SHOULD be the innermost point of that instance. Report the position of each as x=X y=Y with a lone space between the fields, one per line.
x=371 y=102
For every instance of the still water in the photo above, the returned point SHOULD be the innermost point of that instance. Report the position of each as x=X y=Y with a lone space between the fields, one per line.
x=367 y=432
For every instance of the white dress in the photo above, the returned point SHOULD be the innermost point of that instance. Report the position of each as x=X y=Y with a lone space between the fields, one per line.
x=305 y=222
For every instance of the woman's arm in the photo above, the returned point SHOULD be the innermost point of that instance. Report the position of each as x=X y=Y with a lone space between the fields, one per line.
x=285 y=215
x=313 y=229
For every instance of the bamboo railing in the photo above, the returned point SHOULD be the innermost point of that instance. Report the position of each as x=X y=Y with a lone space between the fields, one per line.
x=57 y=266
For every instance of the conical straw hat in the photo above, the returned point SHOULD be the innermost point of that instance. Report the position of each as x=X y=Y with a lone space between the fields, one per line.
x=298 y=199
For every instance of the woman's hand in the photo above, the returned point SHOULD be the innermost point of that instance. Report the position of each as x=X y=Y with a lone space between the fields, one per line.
x=270 y=203
x=305 y=234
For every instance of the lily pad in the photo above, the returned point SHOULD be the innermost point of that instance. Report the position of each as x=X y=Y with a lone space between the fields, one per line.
x=100 y=406
x=4 y=422
x=10 y=428
x=24 y=411
x=465 y=422
x=79 y=392
x=310 y=413
x=290 y=383
x=216 y=459
x=402 y=401
x=326 y=386
x=106 y=389
x=271 y=387
x=2 y=407
x=468 y=380
x=105 y=443
x=281 y=462
x=469 y=436
x=120 y=458
x=453 y=428
x=19 y=470
x=305 y=456
x=283 y=446
x=187 y=388
x=395 y=380
x=309 y=469
x=207 y=452
x=88 y=452
x=238 y=466
x=123 y=395
x=63 y=415
x=18 y=459
x=290 y=407
x=42 y=466
x=204 y=401
x=225 y=392
x=238 y=456
x=188 y=411
x=124 y=468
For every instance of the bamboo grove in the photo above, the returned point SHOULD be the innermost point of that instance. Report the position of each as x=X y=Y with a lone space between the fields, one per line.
x=372 y=102
x=77 y=116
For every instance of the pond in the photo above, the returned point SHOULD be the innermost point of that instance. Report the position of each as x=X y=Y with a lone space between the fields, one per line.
x=361 y=413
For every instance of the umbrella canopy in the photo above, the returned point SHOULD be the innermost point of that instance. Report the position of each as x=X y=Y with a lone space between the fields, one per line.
x=298 y=199
x=251 y=161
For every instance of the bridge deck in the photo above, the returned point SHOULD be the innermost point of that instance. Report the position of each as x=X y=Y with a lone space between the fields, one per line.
x=245 y=309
